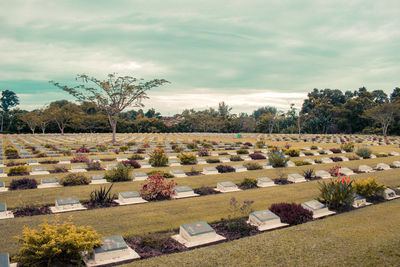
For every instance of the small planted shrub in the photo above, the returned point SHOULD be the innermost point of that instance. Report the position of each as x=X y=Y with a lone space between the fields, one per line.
x=101 y=148
x=18 y=170
x=308 y=174
x=252 y=166
x=123 y=148
x=131 y=163
x=41 y=155
x=248 y=144
x=291 y=213
x=368 y=187
x=210 y=161
x=335 y=171
x=94 y=166
x=335 y=150
x=137 y=157
x=382 y=155
x=187 y=159
x=157 y=187
x=338 y=194
x=301 y=163
x=102 y=197
x=192 y=145
x=119 y=174
x=364 y=152
x=348 y=147
x=60 y=169
x=260 y=144
x=277 y=159
x=178 y=149
x=292 y=152
x=256 y=156
x=353 y=157
x=203 y=152
x=57 y=244
x=236 y=158
x=236 y=224
x=205 y=190
x=24 y=183
x=242 y=151
x=225 y=168
x=248 y=183
x=10 y=151
x=80 y=158
x=73 y=179
x=158 y=158
x=163 y=174
x=82 y=150
x=314 y=147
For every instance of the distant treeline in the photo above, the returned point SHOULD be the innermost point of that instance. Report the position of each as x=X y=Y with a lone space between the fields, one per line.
x=323 y=111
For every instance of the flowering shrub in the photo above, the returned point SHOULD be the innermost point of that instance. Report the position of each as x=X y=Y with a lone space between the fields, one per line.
x=203 y=152
x=335 y=171
x=187 y=159
x=225 y=168
x=158 y=158
x=277 y=158
x=292 y=152
x=74 y=179
x=82 y=150
x=364 y=152
x=338 y=193
x=56 y=244
x=291 y=213
x=132 y=163
x=256 y=156
x=368 y=187
x=119 y=174
x=18 y=170
x=157 y=187
x=80 y=158
x=24 y=183
x=348 y=147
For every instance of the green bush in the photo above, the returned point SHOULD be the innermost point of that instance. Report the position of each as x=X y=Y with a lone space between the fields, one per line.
x=368 y=187
x=277 y=159
x=242 y=151
x=191 y=145
x=101 y=148
x=10 y=151
x=74 y=179
x=292 y=152
x=158 y=158
x=338 y=194
x=364 y=152
x=102 y=196
x=314 y=147
x=187 y=159
x=260 y=144
x=56 y=244
x=353 y=157
x=253 y=166
x=17 y=170
x=123 y=148
x=137 y=157
x=301 y=163
x=348 y=147
x=236 y=158
x=382 y=155
x=119 y=174
x=178 y=149
x=248 y=183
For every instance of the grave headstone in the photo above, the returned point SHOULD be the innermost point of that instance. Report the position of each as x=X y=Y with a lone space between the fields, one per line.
x=129 y=198
x=227 y=186
x=265 y=182
x=265 y=220
x=319 y=210
x=296 y=178
x=183 y=191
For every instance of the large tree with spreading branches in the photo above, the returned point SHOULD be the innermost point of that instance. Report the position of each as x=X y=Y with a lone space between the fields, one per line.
x=113 y=95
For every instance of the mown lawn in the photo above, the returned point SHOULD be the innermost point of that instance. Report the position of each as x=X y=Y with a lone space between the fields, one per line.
x=168 y=215
x=366 y=237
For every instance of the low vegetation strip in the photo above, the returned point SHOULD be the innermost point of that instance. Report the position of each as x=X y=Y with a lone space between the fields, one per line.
x=364 y=237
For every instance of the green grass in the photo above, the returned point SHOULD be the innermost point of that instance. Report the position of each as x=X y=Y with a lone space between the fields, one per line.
x=365 y=237
x=168 y=215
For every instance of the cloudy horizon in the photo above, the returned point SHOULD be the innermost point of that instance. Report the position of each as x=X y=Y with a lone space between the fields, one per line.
x=248 y=55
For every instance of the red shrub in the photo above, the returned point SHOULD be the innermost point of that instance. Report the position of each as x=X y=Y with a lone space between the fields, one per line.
x=82 y=150
x=132 y=163
x=80 y=158
x=256 y=156
x=157 y=188
x=292 y=213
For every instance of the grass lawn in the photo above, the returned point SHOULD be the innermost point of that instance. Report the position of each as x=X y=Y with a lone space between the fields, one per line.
x=168 y=215
x=365 y=237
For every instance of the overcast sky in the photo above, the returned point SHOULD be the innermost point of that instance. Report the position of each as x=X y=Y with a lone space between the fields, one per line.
x=246 y=53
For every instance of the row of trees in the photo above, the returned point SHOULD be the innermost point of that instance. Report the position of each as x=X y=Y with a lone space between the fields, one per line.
x=103 y=107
